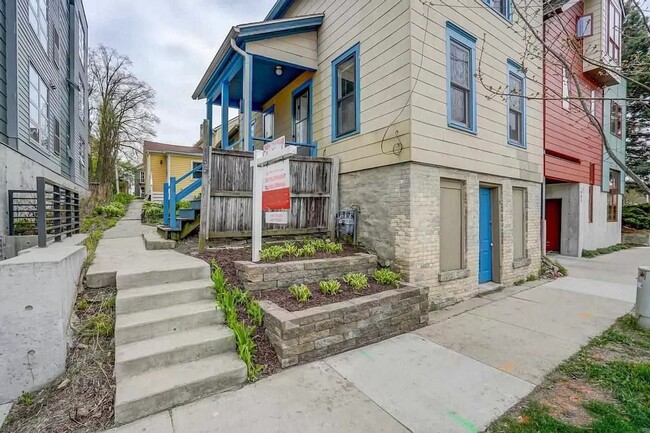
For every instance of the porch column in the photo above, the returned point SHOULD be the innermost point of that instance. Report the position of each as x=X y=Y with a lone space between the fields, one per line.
x=248 y=102
x=210 y=102
x=225 y=103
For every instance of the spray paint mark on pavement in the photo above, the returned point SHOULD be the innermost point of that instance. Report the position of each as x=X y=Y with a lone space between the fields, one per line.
x=463 y=422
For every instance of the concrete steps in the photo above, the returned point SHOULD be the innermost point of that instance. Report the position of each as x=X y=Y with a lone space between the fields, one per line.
x=141 y=356
x=171 y=270
x=164 y=388
x=162 y=295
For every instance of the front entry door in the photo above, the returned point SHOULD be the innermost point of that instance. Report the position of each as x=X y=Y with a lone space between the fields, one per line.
x=485 y=236
x=553 y=224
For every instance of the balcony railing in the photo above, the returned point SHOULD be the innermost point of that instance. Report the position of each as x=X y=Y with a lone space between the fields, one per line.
x=51 y=211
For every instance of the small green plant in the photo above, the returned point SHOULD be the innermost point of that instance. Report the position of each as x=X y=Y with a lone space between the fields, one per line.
x=241 y=297
x=27 y=398
x=333 y=247
x=307 y=251
x=291 y=248
x=357 y=281
x=387 y=277
x=100 y=324
x=301 y=292
x=111 y=210
x=183 y=205
x=561 y=269
x=153 y=212
x=219 y=279
x=519 y=282
x=274 y=252
x=531 y=277
x=330 y=287
x=109 y=303
x=255 y=312
x=122 y=198
x=226 y=301
x=246 y=348
x=319 y=244
x=82 y=304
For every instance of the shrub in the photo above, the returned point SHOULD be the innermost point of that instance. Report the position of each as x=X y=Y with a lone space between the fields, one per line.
x=307 y=251
x=330 y=287
x=333 y=247
x=122 y=198
x=387 y=277
x=183 y=205
x=300 y=292
x=153 y=212
x=357 y=281
x=112 y=210
x=255 y=312
x=637 y=216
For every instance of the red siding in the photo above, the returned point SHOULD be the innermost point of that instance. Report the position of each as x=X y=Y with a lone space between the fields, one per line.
x=569 y=137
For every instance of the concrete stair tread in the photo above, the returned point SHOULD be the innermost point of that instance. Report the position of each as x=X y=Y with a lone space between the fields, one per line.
x=161 y=289
x=165 y=343
x=167 y=387
x=162 y=314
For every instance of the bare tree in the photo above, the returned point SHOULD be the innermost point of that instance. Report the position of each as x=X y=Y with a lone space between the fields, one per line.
x=121 y=113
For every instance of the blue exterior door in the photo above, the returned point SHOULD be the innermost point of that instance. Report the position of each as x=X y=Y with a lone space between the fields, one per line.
x=485 y=236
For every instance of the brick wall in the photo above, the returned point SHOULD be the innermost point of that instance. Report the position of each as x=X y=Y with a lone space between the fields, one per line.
x=402 y=224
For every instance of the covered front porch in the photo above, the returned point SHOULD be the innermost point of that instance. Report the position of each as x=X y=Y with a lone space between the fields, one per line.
x=265 y=71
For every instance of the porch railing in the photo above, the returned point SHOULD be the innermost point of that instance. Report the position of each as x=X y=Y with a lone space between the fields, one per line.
x=313 y=147
x=51 y=211
x=171 y=196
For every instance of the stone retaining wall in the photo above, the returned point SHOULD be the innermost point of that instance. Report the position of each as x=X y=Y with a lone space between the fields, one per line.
x=263 y=276
x=317 y=332
x=639 y=238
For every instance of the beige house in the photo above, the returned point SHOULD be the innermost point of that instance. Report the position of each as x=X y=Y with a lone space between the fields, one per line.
x=438 y=154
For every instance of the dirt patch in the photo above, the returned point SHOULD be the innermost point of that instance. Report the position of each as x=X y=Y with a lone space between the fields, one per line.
x=565 y=400
x=81 y=400
x=284 y=298
x=619 y=353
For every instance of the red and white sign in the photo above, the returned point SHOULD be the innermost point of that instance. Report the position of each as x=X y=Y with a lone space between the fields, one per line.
x=281 y=217
x=275 y=145
x=276 y=187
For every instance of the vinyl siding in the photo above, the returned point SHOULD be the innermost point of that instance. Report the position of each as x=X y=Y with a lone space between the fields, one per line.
x=616 y=143
x=180 y=165
x=569 y=132
x=158 y=171
x=283 y=109
x=382 y=27
x=487 y=151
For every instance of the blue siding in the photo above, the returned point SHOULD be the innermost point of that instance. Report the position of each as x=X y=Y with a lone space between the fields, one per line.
x=617 y=143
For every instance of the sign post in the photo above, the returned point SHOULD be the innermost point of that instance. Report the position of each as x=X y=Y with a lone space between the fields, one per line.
x=271 y=188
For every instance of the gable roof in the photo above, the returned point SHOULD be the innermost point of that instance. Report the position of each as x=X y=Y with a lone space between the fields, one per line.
x=155 y=147
x=278 y=10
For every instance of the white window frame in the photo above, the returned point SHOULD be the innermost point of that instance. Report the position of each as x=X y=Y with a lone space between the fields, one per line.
x=82 y=43
x=565 y=89
x=38 y=20
x=585 y=26
x=592 y=102
x=39 y=108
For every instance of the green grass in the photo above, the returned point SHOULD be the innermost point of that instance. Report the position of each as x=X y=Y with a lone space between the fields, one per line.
x=601 y=251
x=626 y=379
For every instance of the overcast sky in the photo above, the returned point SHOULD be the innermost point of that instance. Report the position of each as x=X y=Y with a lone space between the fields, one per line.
x=171 y=43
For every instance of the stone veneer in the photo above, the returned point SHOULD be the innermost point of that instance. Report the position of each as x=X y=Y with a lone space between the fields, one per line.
x=303 y=336
x=399 y=220
x=638 y=238
x=266 y=276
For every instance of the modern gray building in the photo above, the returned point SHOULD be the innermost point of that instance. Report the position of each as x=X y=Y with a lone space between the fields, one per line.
x=43 y=97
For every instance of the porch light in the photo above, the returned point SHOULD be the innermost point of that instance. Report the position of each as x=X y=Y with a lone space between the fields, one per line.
x=278 y=70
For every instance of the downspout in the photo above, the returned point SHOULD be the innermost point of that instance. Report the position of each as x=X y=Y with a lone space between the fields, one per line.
x=543 y=194
x=246 y=94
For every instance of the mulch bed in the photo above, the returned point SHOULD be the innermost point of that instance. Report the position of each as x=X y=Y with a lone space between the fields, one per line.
x=283 y=298
x=80 y=401
x=264 y=353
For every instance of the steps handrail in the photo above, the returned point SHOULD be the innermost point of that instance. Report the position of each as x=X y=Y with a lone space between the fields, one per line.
x=171 y=197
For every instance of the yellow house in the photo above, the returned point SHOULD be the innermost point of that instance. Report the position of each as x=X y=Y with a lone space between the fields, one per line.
x=162 y=161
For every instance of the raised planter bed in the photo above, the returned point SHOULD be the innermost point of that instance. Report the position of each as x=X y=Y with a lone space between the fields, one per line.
x=306 y=335
x=270 y=276
x=641 y=238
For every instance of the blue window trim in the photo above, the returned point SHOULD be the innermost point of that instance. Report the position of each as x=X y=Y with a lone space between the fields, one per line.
x=467 y=40
x=269 y=110
x=352 y=52
x=515 y=69
x=306 y=85
x=507 y=16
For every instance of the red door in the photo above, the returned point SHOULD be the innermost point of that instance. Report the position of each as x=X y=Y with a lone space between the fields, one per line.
x=553 y=222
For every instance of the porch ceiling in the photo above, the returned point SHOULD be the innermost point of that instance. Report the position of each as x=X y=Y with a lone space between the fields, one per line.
x=253 y=34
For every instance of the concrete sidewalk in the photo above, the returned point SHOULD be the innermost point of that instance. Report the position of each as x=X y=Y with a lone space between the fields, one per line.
x=457 y=375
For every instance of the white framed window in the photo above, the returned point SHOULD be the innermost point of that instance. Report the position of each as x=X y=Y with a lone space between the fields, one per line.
x=592 y=107
x=565 y=89
x=584 y=26
x=82 y=100
x=501 y=6
x=516 y=105
x=614 y=24
x=268 y=121
x=82 y=43
x=38 y=20
x=38 y=109
x=142 y=177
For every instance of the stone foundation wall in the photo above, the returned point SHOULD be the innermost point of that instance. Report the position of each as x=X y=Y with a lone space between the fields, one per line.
x=399 y=220
x=317 y=332
x=263 y=276
x=640 y=238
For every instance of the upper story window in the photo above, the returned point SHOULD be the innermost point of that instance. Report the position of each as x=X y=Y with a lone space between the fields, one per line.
x=38 y=19
x=616 y=120
x=614 y=24
x=516 y=105
x=501 y=6
x=82 y=100
x=38 y=109
x=142 y=177
x=592 y=103
x=461 y=89
x=56 y=48
x=346 y=102
x=82 y=43
x=268 y=120
x=612 y=202
x=565 y=89
x=584 y=26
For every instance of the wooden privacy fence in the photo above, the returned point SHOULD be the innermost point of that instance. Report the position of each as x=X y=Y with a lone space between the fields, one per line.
x=314 y=196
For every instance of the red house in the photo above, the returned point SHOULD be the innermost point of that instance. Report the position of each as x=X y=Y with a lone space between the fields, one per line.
x=582 y=41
